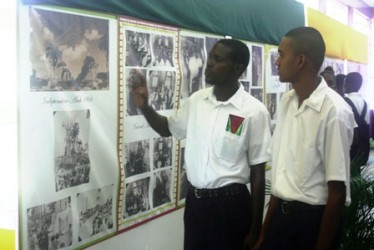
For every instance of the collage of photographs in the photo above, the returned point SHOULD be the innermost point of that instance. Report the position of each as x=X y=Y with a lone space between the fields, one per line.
x=105 y=170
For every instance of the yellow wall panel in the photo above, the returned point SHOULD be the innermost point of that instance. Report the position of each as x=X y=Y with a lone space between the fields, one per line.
x=341 y=40
x=7 y=240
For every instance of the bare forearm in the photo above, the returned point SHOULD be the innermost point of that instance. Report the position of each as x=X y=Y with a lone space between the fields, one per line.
x=273 y=205
x=158 y=122
x=258 y=198
x=331 y=218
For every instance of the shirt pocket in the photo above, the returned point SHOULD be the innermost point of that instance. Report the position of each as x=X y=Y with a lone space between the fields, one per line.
x=228 y=147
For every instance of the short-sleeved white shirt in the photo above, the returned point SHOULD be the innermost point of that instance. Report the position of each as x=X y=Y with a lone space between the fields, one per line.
x=216 y=157
x=311 y=146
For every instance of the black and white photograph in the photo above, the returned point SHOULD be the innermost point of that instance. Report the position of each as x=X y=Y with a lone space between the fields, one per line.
x=162 y=152
x=258 y=94
x=132 y=82
x=192 y=60
x=273 y=59
x=95 y=210
x=137 y=158
x=72 y=162
x=183 y=181
x=68 y=52
x=163 y=49
x=272 y=105
x=136 y=197
x=138 y=49
x=161 y=87
x=257 y=70
x=49 y=226
x=273 y=85
x=161 y=187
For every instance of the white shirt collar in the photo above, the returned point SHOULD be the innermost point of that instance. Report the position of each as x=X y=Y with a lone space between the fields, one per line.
x=315 y=100
x=235 y=100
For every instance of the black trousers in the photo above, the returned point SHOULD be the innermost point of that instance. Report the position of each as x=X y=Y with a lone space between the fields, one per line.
x=217 y=223
x=297 y=230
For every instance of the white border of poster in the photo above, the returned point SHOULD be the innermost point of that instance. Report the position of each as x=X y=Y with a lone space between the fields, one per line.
x=67 y=127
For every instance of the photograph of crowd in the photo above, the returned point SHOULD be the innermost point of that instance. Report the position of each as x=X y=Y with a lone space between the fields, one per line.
x=161 y=89
x=72 y=162
x=138 y=50
x=49 y=226
x=257 y=78
x=136 y=197
x=161 y=187
x=95 y=209
x=162 y=152
x=132 y=81
x=68 y=52
x=192 y=61
x=137 y=158
x=163 y=48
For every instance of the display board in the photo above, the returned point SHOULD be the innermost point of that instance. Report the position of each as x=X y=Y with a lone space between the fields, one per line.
x=90 y=165
x=148 y=161
x=67 y=128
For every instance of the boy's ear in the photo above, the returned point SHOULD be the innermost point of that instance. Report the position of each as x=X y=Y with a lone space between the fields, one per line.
x=302 y=60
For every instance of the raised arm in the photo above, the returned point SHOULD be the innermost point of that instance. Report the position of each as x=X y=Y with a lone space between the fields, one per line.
x=139 y=91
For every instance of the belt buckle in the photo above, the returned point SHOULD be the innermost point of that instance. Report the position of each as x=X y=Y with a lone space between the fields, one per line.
x=286 y=207
x=197 y=193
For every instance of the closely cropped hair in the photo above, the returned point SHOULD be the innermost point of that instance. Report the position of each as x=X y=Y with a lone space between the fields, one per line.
x=240 y=51
x=354 y=80
x=329 y=69
x=340 y=79
x=308 y=41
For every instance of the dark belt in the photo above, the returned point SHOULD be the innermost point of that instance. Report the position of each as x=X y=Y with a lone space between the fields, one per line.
x=210 y=193
x=288 y=207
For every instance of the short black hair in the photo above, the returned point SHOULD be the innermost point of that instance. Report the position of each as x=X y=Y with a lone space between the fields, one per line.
x=329 y=69
x=354 y=81
x=240 y=51
x=308 y=41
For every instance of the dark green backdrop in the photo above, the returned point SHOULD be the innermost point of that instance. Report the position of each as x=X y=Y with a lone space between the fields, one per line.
x=264 y=21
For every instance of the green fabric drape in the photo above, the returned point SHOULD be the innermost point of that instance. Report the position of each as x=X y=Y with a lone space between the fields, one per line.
x=263 y=21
